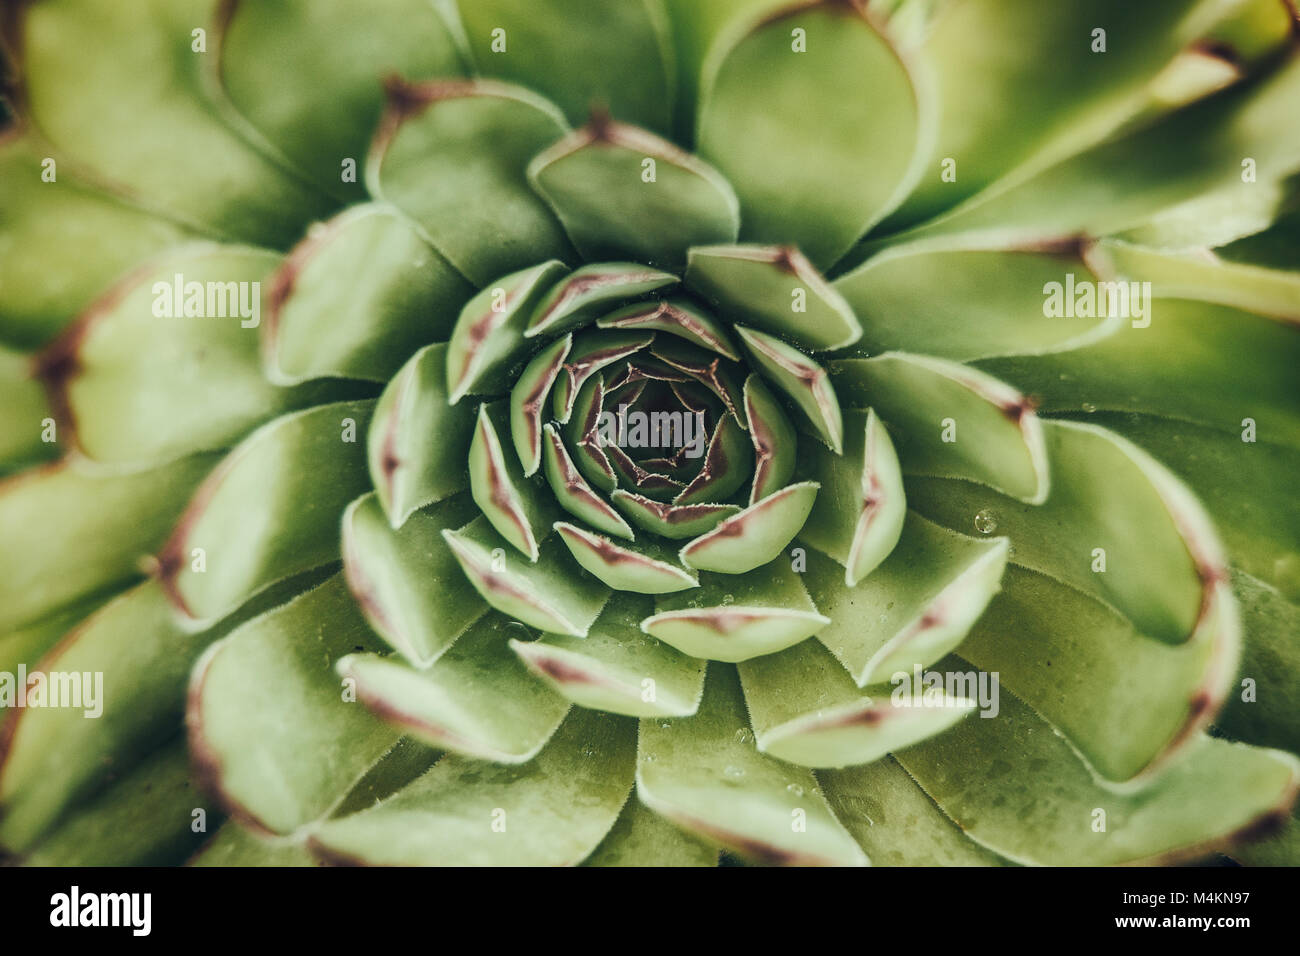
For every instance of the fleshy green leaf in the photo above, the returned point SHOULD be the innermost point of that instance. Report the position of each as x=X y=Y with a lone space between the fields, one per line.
x=807 y=710
x=647 y=568
x=1126 y=701
x=754 y=536
x=259 y=516
x=477 y=700
x=306 y=74
x=1018 y=788
x=583 y=296
x=677 y=316
x=528 y=398
x=735 y=617
x=270 y=727
x=143 y=818
x=572 y=491
x=776 y=289
x=167 y=363
x=951 y=421
x=1190 y=275
x=1125 y=180
x=968 y=304
x=357 y=297
x=516 y=506
x=1239 y=483
x=1189 y=361
x=418 y=444
x=119 y=91
x=1112 y=507
x=62 y=221
x=75 y=529
x=124 y=669
x=623 y=192
x=802 y=381
x=775 y=442
x=553 y=594
x=774 y=119
x=553 y=810
x=859 y=512
x=29 y=419
x=488 y=340
x=576 y=53
x=641 y=837
x=895 y=822
x=671 y=521
x=593 y=351
x=1052 y=72
x=917 y=606
x=406 y=581
x=704 y=774
x=616 y=667
x=452 y=155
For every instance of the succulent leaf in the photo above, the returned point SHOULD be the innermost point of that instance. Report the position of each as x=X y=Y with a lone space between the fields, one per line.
x=222 y=551
x=488 y=340
x=736 y=617
x=775 y=289
x=265 y=723
x=356 y=297
x=617 y=668
x=801 y=180
x=82 y=79
x=477 y=699
x=622 y=192
x=860 y=509
x=444 y=141
x=686 y=765
x=556 y=808
x=980 y=774
x=551 y=594
x=802 y=381
x=106 y=520
x=617 y=54
x=417 y=443
x=406 y=581
x=581 y=297
x=918 y=605
x=646 y=568
x=952 y=421
x=336 y=43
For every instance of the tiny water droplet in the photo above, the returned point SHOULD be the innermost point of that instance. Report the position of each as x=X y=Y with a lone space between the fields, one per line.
x=734 y=772
x=588 y=751
x=743 y=735
x=795 y=789
x=665 y=724
x=986 y=522
x=1089 y=407
x=727 y=599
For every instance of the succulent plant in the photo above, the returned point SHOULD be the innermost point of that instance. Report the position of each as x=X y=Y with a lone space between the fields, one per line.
x=621 y=431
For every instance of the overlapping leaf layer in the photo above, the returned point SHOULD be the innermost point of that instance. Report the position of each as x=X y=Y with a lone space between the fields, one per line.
x=624 y=431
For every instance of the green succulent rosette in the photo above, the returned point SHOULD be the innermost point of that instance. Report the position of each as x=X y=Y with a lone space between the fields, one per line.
x=960 y=527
